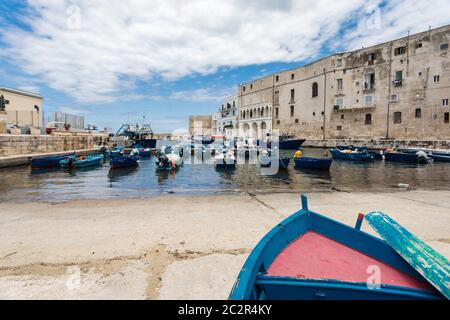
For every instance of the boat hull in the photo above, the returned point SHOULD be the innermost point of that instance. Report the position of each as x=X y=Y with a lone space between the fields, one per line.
x=313 y=163
x=47 y=162
x=124 y=162
x=90 y=161
x=404 y=157
x=358 y=156
x=293 y=144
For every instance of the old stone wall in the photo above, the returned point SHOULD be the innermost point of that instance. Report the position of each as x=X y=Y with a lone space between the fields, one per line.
x=11 y=145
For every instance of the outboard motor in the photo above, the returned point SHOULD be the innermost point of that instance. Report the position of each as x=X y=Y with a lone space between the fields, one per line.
x=163 y=160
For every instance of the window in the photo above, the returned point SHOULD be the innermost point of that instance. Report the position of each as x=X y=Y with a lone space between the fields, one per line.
x=436 y=79
x=418 y=113
x=394 y=97
x=339 y=63
x=234 y=104
x=251 y=86
x=340 y=84
x=371 y=57
x=340 y=102
x=315 y=90
x=445 y=102
x=400 y=50
x=368 y=101
x=339 y=128
x=399 y=75
x=278 y=122
x=397 y=117
x=342 y=117
x=368 y=119
x=296 y=120
x=369 y=81
x=243 y=88
x=276 y=98
x=276 y=112
x=292 y=76
x=292 y=95
x=292 y=111
x=446 y=117
x=314 y=114
x=418 y=45
x=277 y=78
x=444 y=46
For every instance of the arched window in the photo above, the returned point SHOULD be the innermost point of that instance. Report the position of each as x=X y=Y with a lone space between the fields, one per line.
x=315 y=90
x=267 y=111
x=251 y=114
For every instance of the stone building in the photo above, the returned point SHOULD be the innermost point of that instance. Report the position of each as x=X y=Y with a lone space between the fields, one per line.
x=200 y=125
x=396 y=90
x=24 y=108
x=227 y=118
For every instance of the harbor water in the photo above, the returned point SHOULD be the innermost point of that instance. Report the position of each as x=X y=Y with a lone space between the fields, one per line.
x=24 y=184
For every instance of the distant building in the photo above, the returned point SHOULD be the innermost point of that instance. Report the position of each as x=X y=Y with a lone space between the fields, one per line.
x=24 y=108
x=200 y=125
x=398 y=90
x=227 y=118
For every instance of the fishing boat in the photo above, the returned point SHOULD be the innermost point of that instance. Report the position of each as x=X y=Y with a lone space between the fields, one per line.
x=82 y=162
x=168 y=162
x=313 y=163
x=47 y=162
x=420 y=157
x=225 y=160
x=143 y=152
x=124 y=161
x=311 y=257
x=288 y=142
x=351 y=155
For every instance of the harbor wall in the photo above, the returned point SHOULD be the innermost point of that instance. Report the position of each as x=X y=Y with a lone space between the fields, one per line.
x=377 y=143
x=15 y=145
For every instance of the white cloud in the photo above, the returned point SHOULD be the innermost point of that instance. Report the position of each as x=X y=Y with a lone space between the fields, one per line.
x=98 y=52
x=202 y=94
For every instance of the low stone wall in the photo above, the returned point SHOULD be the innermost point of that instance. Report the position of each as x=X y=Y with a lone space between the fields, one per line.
x=12 y=145
x=378 y=144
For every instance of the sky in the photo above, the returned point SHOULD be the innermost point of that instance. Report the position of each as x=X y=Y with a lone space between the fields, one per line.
x=117 y=61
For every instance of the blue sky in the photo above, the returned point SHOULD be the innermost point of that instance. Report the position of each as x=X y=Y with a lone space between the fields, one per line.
x=116 y=61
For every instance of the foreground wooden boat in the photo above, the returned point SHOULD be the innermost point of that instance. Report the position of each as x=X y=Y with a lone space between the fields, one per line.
x=82 y=162
x=313 y=163
x=405 y=157
x=47 y=162
x=309 y=256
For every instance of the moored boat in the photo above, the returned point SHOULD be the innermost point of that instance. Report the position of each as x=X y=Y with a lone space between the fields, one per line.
x=168 y=162
x=287 y=142
x=351 y=155
x=47 y=162
x=124 y=161
x=440 y=158
x=283 y=163
x=225 y=160
x=313 y=163
x=311 y=257
x=419 y=157
x=82 y=162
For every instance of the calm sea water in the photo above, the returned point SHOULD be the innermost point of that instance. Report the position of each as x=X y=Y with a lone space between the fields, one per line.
x=22 y=184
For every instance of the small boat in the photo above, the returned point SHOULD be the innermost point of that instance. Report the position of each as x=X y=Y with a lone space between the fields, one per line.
x=124 y=161
x=225 y=160
x=266 y=162
x=440 y=158
x=82 y=162
x=313 y=163
x=311 y=257
x=118 y=151
x=168 y=162
x=47 y=162
x=351 y=155
x=419 y=157
x=288 y=142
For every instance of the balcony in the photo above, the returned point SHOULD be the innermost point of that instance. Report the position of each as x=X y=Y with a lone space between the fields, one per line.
x=397 y=83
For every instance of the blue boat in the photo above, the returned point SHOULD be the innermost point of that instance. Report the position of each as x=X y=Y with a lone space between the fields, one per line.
x=351 y=155
x=82 y=162
x=440 y=158
x=313 y=163
x=116 y=152
x=311 y=257
x=405 y=157
x=290 y=143
x=124 y=161
x=47 y=162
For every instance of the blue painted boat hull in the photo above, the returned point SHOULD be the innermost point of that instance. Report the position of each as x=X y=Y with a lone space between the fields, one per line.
x=291 y=144
x=313 y=163
x=124 y=162
x=439 y=158
x=253 y=283
x=359 y=156
x=90 y=161
x=403 y=157
x=48 y=162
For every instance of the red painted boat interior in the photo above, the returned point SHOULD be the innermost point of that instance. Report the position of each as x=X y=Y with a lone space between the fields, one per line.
x=314 y=256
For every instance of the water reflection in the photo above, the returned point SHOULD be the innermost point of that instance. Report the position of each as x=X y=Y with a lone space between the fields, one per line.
x=117 y=174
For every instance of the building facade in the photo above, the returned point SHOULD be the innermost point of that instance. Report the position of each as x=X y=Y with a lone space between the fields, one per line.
x=227 y=118
x=24 y=108
x=396 y=90
x=200 y=125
